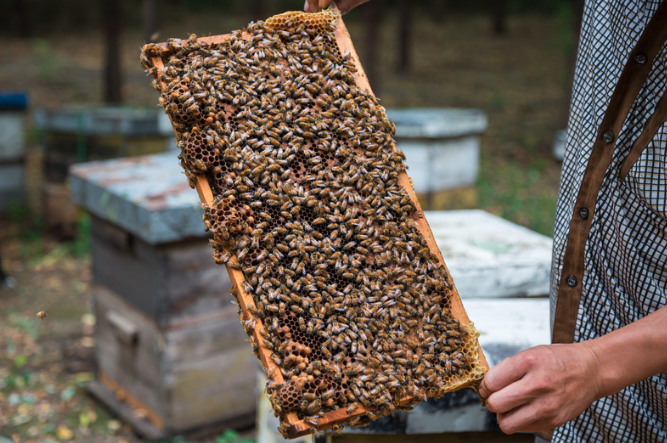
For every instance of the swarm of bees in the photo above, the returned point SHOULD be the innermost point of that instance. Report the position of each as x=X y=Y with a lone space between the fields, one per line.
x=354 y=306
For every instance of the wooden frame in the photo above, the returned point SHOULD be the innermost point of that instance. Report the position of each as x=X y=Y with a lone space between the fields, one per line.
x=298 y=427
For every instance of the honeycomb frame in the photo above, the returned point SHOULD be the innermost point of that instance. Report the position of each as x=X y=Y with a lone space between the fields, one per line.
x=297 y=426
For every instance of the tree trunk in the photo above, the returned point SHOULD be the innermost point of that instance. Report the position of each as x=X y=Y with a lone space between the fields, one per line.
x=372 y=19
x=111 y=16
x=439 y=12
x=3 y=276
x=499 y=16
x=404 y=31
x=149 y=20
x=22 y=18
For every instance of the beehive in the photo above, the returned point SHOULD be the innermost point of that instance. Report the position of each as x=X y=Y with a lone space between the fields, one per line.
x=341 y=288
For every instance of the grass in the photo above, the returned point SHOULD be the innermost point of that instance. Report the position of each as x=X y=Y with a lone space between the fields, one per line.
x=523 y=194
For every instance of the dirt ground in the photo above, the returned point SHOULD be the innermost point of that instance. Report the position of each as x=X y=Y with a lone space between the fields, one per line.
x=520 y=80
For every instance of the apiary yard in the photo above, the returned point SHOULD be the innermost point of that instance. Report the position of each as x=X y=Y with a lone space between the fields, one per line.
x=306 y=195
x=523 y=98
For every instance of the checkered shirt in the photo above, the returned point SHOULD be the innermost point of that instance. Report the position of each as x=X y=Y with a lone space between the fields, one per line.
x=625 y=273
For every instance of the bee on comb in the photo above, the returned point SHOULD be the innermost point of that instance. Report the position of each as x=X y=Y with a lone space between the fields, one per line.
x=348 y=304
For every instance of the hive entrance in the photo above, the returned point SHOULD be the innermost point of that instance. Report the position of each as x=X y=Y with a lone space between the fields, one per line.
x=345 y=296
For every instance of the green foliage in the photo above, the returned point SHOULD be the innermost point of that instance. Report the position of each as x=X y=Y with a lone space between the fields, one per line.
x=29 y=325
x=564 y=19
x=518 y=193
x=20 y=361
x=231 y=436
x=80 y=246
x=32 y=230
x=498 y=100
x=228 y=436
x=67 y=393
x=47 y=63
x=33 y=135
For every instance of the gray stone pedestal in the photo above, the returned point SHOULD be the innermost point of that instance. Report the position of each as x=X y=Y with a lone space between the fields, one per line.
x=12 y=158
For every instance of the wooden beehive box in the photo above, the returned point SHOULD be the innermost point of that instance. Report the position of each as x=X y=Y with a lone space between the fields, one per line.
x=310 y=388
x=167 y=338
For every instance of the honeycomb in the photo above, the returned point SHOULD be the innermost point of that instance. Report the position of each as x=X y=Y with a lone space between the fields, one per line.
x=355 y=309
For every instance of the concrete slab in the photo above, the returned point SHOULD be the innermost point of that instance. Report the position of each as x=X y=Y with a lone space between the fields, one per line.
x=146 y=196
x=491 y=257
x=508 y=326
x=441 y=145
x=98 y=120
x=12 y=185
x=12 y=139
x=437 y=123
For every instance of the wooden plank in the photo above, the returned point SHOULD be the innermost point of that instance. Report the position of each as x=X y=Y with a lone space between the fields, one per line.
x=246 y=302
x=170 y=283
x=182 y=378
x=124 y=396
x=136 y=369
x=109 y=397
x=115 y=265
x=459 y=437
x=204 y=337
x=206 y=390
x=191 y=282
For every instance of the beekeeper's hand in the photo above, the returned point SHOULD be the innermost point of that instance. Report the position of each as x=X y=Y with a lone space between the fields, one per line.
x=541 y=388
x=343 y=5
x=545 y=386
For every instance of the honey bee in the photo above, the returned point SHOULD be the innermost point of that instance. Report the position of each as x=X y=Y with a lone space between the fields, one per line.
x=41 y=315
x=319 y=226
x=313 y=408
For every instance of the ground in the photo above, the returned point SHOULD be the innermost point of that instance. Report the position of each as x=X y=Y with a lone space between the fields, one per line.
x=520 y=80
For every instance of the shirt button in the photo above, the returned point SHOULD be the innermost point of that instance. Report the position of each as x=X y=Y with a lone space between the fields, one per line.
x=640 y=58
x=583 y=213
x=571 y=281
x=608 y=137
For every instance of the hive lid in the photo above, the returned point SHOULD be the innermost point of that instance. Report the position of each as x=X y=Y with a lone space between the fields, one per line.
x=490 y=256
x=437 y=122
x=147 y=196
x=13 y=100
x=98 y=120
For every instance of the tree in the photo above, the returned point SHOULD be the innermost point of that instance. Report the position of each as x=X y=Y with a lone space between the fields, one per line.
x=404 y=31
x=499 y=16
x=111 y=17
x=20 y=11
x=439 y=12
x=372 y=19
x=149 y=20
